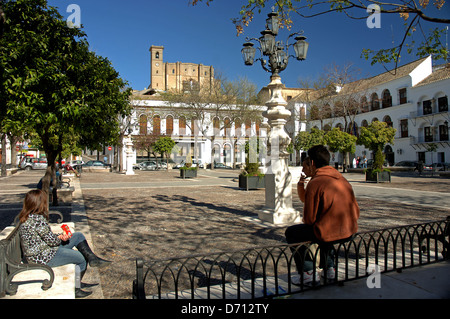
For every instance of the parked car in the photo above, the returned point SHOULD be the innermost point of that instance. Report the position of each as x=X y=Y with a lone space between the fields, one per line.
x=96 y=164
x=29 y=163
x=370 y=163
x=147 y=166
x=75 y=164
x=438 y=166
x=407 y=164
x=221 y=165
x=194 y=164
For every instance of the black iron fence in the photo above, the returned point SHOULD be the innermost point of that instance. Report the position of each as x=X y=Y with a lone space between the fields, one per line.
x=265 y=272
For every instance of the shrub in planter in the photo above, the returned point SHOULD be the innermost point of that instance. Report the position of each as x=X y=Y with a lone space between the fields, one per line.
x=377 y=173
x=188 y=172
x=251 y=178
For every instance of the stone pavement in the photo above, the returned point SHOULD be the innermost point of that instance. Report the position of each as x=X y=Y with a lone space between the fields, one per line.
x=159 y=215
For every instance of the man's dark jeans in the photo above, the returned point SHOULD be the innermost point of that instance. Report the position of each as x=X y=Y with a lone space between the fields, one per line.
x=304 y=259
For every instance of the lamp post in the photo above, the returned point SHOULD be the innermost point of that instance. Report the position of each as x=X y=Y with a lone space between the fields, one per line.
x=274 y=59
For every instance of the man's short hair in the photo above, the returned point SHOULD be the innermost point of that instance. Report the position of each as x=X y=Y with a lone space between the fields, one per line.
x=320 y=155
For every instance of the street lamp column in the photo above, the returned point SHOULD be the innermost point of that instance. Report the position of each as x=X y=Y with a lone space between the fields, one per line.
x=278 y=180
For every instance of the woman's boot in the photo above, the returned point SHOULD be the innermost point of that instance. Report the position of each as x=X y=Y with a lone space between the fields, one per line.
x=78 y=276
x=90 y=257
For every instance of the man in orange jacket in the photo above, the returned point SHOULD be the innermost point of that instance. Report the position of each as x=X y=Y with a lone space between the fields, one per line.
x=330 y=213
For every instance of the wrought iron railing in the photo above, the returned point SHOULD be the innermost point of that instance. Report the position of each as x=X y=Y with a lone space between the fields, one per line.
x=265 y=272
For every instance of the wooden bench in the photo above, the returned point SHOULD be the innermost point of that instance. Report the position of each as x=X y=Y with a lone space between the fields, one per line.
x=14 y=266
x=266 y=272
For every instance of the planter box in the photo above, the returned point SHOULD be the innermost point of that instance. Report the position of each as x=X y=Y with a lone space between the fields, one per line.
x=378 y=177
x=188 y=173
x=251 y=182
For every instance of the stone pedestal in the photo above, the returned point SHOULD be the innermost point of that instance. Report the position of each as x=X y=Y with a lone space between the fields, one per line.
x=278 y=206
x=129 y=152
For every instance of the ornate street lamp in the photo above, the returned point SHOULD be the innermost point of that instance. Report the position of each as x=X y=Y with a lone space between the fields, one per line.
x=274 y=59
x=276 y=51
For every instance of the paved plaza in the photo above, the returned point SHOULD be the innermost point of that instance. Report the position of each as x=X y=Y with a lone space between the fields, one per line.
x=158 y=215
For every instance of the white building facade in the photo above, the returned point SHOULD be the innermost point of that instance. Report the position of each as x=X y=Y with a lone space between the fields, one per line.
x=413 y=100
x=211 y=140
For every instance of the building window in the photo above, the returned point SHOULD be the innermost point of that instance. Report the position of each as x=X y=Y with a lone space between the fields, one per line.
x=169 y=125
x=428 y=132
x=143 y=124
x=364 y=105
x=227 y=126
x=427 y=109
x=182 y=126
x=375 y=103
x=404 y=128
x=402 y=96
x=216 y=126
x=443 y=132
x=387 y=99
x=388 y=121
x=237 y=128
x=443 y=104
x=157 y=55
x=156 y=125
x=248 y=128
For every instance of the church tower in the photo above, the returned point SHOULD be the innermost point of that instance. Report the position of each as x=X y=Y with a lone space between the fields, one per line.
x=157 y=68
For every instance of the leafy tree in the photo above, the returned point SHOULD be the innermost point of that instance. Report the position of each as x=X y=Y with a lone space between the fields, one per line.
x=375 y=137
x=164 y=146
x=53 y=85
x=305 y=140
x=340 y=141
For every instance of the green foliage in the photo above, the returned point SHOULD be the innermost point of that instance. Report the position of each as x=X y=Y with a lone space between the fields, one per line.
x=378 y=160
x=164 y=145
x=52 y=85
x=305 y=140
x=252 y=149
x=340 y=141
x=376 y=135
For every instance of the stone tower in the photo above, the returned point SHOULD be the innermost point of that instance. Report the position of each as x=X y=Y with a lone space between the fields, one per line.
x=157 y=68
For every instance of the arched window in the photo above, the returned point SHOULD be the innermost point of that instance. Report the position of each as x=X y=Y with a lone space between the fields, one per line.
x=169 y=125
x=374 y=102
x=364 y=105
x=248 y=128
x=387 y=99
x=143 y=124
x=182 y=126
x=216 y=126
x=227 y=126
x=157 y=55
x=157 y=125
x=237 y=127
x=364 y=123
x=388 y=121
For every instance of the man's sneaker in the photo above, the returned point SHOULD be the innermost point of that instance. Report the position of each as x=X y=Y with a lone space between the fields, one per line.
x=309 y=278
x=331 y=275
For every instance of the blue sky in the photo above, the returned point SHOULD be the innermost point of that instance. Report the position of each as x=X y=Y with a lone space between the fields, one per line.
x=123 y=31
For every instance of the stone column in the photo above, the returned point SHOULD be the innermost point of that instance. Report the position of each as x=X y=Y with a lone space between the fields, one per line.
x=129 y=151
x=278 y=180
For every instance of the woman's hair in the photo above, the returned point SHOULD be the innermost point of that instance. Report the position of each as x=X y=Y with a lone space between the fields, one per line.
x=35 y=202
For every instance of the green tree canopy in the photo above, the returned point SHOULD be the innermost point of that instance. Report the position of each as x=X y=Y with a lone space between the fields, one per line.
x=53 y=85
x=340 y=141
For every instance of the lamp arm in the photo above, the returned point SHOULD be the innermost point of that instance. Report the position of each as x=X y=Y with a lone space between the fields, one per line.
x=291 y=35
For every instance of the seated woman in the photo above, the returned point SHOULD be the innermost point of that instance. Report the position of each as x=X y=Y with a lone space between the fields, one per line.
x=42 y=246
